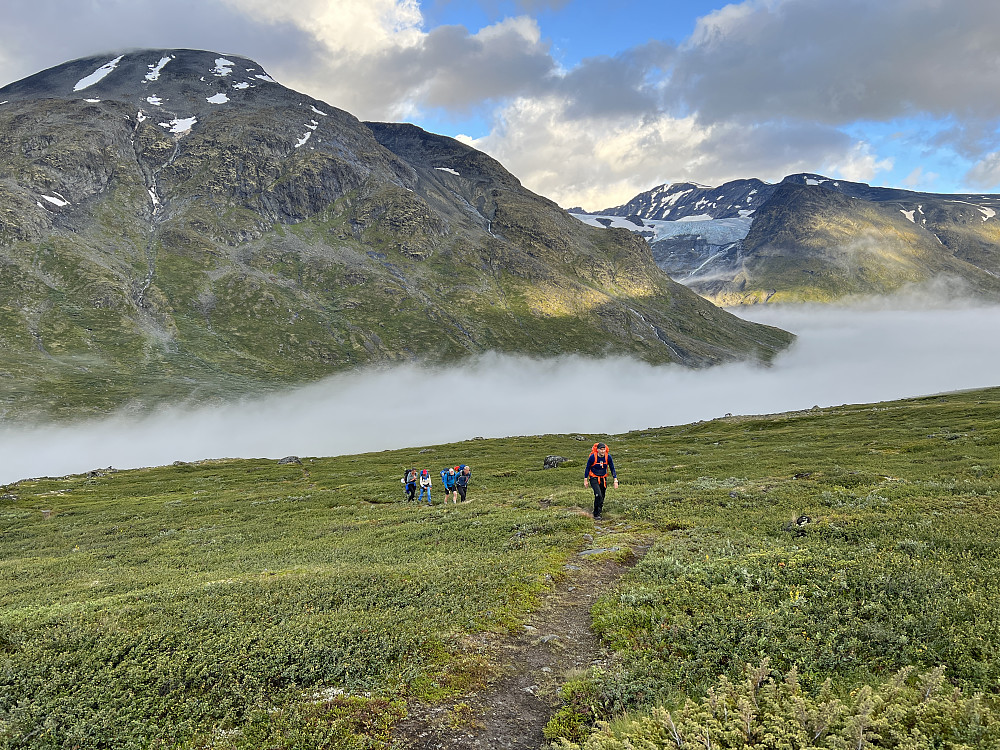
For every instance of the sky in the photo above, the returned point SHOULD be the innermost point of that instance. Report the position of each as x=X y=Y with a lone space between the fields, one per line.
x=590 y=103
x=857 y=355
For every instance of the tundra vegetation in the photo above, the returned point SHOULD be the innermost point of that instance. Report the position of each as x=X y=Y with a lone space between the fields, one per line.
x=819 y=579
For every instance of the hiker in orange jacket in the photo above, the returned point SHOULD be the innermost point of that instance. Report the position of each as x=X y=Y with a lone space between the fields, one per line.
x=596 y=475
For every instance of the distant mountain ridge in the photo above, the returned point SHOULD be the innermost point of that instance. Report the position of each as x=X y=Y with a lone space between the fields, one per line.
x=814 y=238
x=681 y=200
x=176 y=226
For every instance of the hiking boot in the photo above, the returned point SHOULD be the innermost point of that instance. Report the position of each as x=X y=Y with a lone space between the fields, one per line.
x=598 y=517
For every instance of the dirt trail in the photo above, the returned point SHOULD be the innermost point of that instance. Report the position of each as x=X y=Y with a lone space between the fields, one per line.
x=510 y=713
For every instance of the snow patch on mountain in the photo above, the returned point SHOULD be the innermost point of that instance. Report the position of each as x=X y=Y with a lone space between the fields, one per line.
x=56 y=201
x=98 y=74
x=712 y=231
x=310 y=129
x=179 y=126
x=449 y=170
x=987 y=212
x=223 y=67
x=602 y=222
x=670 y=199
x=217 y=99
x=318 y=112
x=155 y=68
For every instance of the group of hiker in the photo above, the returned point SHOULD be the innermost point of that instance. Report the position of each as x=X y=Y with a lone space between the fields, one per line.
x=455 y=480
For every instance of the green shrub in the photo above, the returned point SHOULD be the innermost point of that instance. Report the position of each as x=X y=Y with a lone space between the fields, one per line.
x=909 y=712
x=575 y=718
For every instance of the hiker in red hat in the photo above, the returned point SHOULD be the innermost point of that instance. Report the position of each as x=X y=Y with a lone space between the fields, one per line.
x=425 y=486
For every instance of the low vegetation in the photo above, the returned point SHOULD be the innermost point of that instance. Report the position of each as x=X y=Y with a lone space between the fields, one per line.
x=822 y=579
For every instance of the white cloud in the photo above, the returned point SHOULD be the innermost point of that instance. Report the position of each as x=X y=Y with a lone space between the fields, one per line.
x=594 y=162
x=854 y=355
x=837 y=62
x=918 y=179
x=599 y=162
x=914 y=178
x=353 y=27
x=859 y=164
x=985 y=174
x=447 y=67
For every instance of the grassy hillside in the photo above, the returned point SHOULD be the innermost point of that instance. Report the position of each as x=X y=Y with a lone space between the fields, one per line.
x=243 y=603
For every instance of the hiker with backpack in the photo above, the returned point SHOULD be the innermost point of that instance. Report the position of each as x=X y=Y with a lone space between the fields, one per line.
x=462 y=481
x=425 y=485
x=596 y=475
x=448 y=478
x=409 y=481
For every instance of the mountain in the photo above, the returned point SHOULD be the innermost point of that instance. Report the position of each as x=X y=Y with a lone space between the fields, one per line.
x=813 y=238
x=175 y=226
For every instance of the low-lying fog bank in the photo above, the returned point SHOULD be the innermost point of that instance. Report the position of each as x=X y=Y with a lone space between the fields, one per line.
x=843 y=355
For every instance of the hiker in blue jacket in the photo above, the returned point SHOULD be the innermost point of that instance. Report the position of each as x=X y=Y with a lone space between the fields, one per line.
x=596 y=475
x=449 y=477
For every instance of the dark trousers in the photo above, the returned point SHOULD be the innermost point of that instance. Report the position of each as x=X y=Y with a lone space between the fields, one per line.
x=411 y=490
x=461 y=491
x=600 y=487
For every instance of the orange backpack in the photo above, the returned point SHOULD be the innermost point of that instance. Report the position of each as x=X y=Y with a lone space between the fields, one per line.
x=607 y=457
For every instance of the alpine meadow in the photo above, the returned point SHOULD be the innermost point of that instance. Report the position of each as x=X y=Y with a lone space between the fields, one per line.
x=816 y=579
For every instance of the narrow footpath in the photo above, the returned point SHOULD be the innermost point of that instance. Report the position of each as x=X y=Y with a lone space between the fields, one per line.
x=557 y=644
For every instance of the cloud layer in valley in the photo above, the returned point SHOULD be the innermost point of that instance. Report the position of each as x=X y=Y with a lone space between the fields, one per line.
x=892 y=91
x=855 y=355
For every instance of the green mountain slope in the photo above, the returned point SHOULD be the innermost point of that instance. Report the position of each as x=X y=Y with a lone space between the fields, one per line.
x=812 y=244
x=209 y=233
x=808 y=243
x=247 y=603
x=811 y=238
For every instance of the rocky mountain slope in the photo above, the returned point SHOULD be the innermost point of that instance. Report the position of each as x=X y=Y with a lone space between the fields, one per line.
x=813 y=238
x=177 y=226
